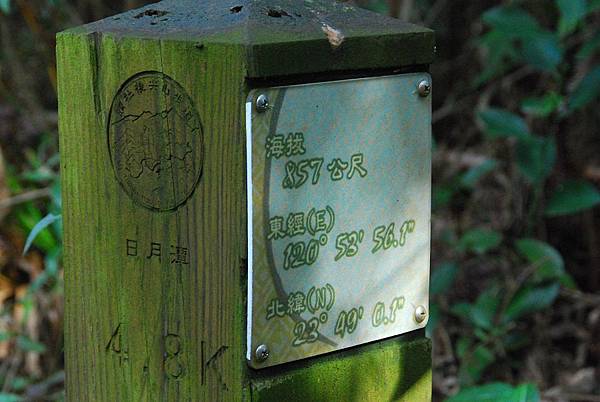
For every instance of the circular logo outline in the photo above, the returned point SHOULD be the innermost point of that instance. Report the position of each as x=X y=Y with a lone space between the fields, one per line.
x=198 y=155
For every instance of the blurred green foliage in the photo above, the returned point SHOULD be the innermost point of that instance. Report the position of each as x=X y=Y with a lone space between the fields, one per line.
x=513 y=39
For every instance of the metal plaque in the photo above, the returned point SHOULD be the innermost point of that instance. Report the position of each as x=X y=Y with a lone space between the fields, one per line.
x=339 y=210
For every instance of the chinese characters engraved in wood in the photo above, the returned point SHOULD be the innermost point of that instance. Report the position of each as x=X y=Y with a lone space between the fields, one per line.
x=156 y=141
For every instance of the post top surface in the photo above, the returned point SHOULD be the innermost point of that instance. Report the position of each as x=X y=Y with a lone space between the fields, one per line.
x=272 y=29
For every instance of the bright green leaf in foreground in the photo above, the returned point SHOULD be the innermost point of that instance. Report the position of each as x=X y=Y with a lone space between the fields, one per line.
x=573 y=197
x=497 y=392
x=40 y=226
x=28 y=216
x=502 y=123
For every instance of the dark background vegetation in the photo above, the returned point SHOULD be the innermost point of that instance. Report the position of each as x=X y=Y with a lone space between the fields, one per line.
x=516 y=243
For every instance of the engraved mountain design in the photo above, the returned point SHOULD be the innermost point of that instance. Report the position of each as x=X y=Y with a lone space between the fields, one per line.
x=155 y=139
x=144 y=149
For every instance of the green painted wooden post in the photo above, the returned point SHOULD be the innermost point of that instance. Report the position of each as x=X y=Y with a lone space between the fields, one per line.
x=155 y=268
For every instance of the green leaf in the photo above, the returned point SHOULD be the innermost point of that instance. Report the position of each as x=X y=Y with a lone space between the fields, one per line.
x=571 y=13
x=485 y=308
x=472 y=176
x=28 y=216
x=51 y=262
x=593 y=6
x=56 y=194
x=511 y=21
x=516 y=340
x=502 y=123
x=4 y=397
x=30 y=345
x=551 y=265
x=529 y=300
x=573 y=197
x=500 y=55
x=542 y=107
x=462 y=310
x=5 y=6
x=536 y=157
x=434 y=319
x=480 y=314
x=587 y=90
x=542 y=51
x=474 y=364
x=41 y=175
x=442 y=195
x=497 y=392
x=442 y=278
x=526 y=393
x=41 y=225
x=479 y=241
x=463 y=344
x=19 y=383
x=589 y=48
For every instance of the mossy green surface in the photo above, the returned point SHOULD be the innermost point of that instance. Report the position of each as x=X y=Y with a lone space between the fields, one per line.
x=392 y=370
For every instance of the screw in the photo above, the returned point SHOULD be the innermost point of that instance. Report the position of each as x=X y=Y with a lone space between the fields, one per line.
x=424 y=88
x=262 y=103
x=420 y=314
x=262 y=353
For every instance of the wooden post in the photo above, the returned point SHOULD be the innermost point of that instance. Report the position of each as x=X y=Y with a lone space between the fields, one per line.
x=153 y=163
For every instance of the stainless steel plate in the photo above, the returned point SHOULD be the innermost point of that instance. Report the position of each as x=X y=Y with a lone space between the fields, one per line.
x=339 y=201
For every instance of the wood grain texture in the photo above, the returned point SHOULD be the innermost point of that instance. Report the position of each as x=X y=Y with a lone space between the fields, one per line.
x=140 y=328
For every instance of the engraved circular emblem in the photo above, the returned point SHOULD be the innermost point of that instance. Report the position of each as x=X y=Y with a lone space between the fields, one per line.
x=155 y=140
